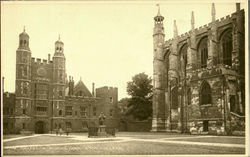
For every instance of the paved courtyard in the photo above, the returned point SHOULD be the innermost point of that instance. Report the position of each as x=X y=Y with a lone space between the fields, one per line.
x=123 y=143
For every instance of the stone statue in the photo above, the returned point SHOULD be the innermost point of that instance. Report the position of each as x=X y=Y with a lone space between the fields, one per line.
x=101 y=119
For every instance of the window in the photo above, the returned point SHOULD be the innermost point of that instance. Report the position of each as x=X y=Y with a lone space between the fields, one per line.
x=21 y=42
x=203 y=51
x=24 y=126
x=111 y=99
x=60 y=93
x=232 y=103
x=24 y=111
x=25 y=71
x=83 y=111
x=94 y=111
x=174 y=98
x=76 y=113
x=80 y=93
x=183 y=59
x=41 y=109
x=68 y=110
x=205 y=94
x=111 y=112
x=55 y=126
x=60 y=112
x=68 y=125
x=227 y=48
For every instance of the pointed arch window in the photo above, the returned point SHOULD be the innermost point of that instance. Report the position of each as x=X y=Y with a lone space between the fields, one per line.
x=205 y=94
x=174 y=98
x=227 y=48
x=203 y=50
x=183 y=59
x=60 y=112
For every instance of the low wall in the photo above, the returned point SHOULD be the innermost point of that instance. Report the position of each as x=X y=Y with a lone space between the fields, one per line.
x=136 y=126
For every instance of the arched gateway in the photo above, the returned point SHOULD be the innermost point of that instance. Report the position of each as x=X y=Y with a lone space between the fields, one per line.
x=39 y=127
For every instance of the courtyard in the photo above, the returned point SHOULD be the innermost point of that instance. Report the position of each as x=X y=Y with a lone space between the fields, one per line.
x=125 y=143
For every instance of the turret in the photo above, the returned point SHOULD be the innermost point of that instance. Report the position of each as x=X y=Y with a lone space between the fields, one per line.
x=59 y=77
x=158 y=122
x=23 y=79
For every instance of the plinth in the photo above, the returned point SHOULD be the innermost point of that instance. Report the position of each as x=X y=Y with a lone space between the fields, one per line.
x=102 y=131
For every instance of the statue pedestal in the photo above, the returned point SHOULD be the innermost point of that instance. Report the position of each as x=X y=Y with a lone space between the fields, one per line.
x=102 y=131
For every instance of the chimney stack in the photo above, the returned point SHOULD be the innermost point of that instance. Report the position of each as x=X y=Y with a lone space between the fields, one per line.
x=237 y=7
x=48 y=57
x=93 y=89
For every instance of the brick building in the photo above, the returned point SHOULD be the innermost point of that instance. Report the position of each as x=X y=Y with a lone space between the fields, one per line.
x=45 y=99
x=199 y=76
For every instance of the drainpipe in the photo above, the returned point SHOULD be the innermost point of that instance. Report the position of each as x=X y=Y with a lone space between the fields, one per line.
x=223 y=90
x=170 y=117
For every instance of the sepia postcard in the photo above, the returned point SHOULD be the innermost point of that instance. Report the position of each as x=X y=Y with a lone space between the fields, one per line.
x=124 y=78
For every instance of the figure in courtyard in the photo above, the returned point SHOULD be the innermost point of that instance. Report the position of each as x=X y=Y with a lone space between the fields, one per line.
x=68 y=130
x=60 y=131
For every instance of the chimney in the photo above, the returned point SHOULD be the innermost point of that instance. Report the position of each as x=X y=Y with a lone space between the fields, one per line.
x=237 y=7
x=93 y=89
x=48 y=57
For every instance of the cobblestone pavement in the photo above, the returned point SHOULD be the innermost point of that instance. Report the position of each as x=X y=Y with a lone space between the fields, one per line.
x=79 y=144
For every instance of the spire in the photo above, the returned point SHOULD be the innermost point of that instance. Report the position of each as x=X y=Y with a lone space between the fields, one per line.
x=158 y=18
x=213 y=12
x=59 y=37
x=175 y=29
x=192 y=20
x=158 y=14
x=23 y=28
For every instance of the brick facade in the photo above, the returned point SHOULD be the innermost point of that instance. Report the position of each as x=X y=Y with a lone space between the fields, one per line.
x=199 y=77
x=45 y=100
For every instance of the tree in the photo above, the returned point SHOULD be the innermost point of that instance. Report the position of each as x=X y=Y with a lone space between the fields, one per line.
x=140 y=90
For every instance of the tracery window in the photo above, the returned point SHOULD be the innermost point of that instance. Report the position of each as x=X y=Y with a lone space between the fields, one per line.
x=183 y=59
x=205 y=94
x=203 y=50
x=227 y=47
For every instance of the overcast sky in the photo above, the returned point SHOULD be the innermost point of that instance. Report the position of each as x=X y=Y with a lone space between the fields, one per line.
x=104 y=42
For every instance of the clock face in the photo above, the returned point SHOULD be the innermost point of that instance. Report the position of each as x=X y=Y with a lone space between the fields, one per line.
x=41 y=72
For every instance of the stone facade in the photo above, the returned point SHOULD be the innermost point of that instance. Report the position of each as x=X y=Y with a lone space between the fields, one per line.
x=199 y=76
x=46 y=100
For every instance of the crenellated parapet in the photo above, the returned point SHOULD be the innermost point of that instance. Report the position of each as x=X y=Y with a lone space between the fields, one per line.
x=40 y=61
